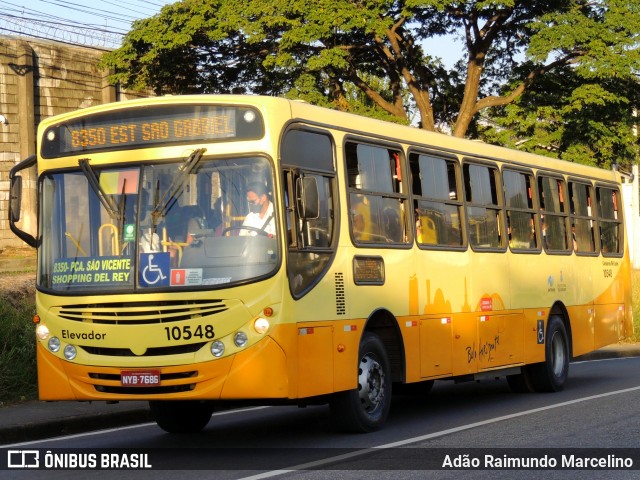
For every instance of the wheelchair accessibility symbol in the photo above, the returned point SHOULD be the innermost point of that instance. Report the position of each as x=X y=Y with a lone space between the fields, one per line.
x=154 y=269
x=540 y=332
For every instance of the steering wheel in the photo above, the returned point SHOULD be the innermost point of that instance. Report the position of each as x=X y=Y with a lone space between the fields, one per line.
x=259 y=231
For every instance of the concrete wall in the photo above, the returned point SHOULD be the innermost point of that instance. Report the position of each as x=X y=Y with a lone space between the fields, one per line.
x=38 y=79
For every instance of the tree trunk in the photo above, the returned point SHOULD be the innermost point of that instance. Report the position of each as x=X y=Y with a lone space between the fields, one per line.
x=468 y=107
x=423 y=103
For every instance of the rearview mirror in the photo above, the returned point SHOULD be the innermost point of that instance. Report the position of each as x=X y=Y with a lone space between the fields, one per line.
x=308 y=198
x=15 y=201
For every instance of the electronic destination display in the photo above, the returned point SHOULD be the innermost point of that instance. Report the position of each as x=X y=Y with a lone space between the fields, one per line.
x=148 y=126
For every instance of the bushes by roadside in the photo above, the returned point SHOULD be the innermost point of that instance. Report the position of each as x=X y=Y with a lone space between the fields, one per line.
x=18 y=377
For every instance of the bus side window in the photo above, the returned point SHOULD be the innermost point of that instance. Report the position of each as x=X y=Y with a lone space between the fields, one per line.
x=438 y=206
x=609 y=221
x=486 y=230
x=376 y=197
x=582 y=217
x=521 y=216
x=553 y=214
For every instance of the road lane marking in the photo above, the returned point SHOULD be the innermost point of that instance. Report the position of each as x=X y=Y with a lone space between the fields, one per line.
x=429 y=436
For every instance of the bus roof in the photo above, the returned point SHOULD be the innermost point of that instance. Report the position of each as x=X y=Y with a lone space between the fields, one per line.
x=356 y=125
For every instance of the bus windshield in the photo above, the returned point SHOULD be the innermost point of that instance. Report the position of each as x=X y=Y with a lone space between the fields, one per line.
x=188 y=223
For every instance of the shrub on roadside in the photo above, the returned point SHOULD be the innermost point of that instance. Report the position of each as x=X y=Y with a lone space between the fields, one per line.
x=18 y=374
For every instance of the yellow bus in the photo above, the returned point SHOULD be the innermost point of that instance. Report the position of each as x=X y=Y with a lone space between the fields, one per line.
x=201 y=251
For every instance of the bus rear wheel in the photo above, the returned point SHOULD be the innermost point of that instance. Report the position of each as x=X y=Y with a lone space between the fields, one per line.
x=552 y=374
x=181 y=416
x=365 y=408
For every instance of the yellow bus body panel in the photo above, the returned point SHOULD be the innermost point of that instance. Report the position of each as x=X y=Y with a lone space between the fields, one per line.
x=456 y=312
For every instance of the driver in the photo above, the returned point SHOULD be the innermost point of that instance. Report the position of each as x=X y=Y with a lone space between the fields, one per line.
x=260 y=216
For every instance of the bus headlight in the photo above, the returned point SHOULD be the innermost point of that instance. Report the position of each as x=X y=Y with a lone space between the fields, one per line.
x=54 y=344
x=42 y=332
x=261 y=325
x=217 y=348
x=240 y=339
x=70 y=352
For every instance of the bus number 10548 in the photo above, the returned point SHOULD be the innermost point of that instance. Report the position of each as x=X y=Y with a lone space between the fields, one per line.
x=186 y=333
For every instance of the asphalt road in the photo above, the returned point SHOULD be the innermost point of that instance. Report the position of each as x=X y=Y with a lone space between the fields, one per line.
x=596 y=416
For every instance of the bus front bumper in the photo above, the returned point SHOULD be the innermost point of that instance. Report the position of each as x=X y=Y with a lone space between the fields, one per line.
x=260 y=371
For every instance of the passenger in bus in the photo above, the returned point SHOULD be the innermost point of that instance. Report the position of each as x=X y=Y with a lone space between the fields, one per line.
x=360 y=218
x=215 y=222
x=522 y=233
x=149 y=240
x=154 y=236
x=195 y=222
x=260 y=216
x=394 y=232
x=426 y=227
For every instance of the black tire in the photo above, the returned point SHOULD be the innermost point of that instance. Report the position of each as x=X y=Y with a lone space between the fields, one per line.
x=181 y=416
x=365 y=408
x=552 y=374
x=521 y=383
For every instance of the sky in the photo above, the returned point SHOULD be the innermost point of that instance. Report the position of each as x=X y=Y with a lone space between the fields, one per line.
x=102 y=23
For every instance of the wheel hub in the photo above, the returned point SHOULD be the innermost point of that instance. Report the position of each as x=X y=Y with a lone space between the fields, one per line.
x=371 y=380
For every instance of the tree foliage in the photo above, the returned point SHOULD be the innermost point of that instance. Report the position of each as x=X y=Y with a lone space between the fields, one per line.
x=367 y=56
x=562 y=115
x=580 y=110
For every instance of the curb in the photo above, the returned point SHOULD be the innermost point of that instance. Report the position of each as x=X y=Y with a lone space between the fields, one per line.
x=58 y=424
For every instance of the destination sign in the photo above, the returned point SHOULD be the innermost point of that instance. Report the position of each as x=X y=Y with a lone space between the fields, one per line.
x=94 y=271
x=150 y=126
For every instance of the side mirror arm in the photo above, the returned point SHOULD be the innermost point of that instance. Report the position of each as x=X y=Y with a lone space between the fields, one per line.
x=15 y=200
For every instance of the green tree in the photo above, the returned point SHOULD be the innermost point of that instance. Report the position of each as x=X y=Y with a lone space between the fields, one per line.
x=323 y=50
x=562 y=115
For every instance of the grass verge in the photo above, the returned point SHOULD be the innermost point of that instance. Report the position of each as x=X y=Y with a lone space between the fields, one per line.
x=18 y=377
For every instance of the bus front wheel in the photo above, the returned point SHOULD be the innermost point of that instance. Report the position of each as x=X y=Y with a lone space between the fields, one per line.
x=365 y=408
x=181 y=416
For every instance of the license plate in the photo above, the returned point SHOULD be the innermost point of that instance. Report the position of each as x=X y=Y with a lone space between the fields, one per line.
x=140 y=378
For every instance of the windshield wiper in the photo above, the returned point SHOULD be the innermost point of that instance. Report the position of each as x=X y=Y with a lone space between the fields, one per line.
x=161 y=206
x=107 y=202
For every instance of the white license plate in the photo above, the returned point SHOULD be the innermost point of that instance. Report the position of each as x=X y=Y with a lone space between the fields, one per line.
x=140 y=378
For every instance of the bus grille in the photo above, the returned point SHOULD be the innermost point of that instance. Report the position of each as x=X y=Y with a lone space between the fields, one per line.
x=144 y=390
x=151 y=352
x=141 y=313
